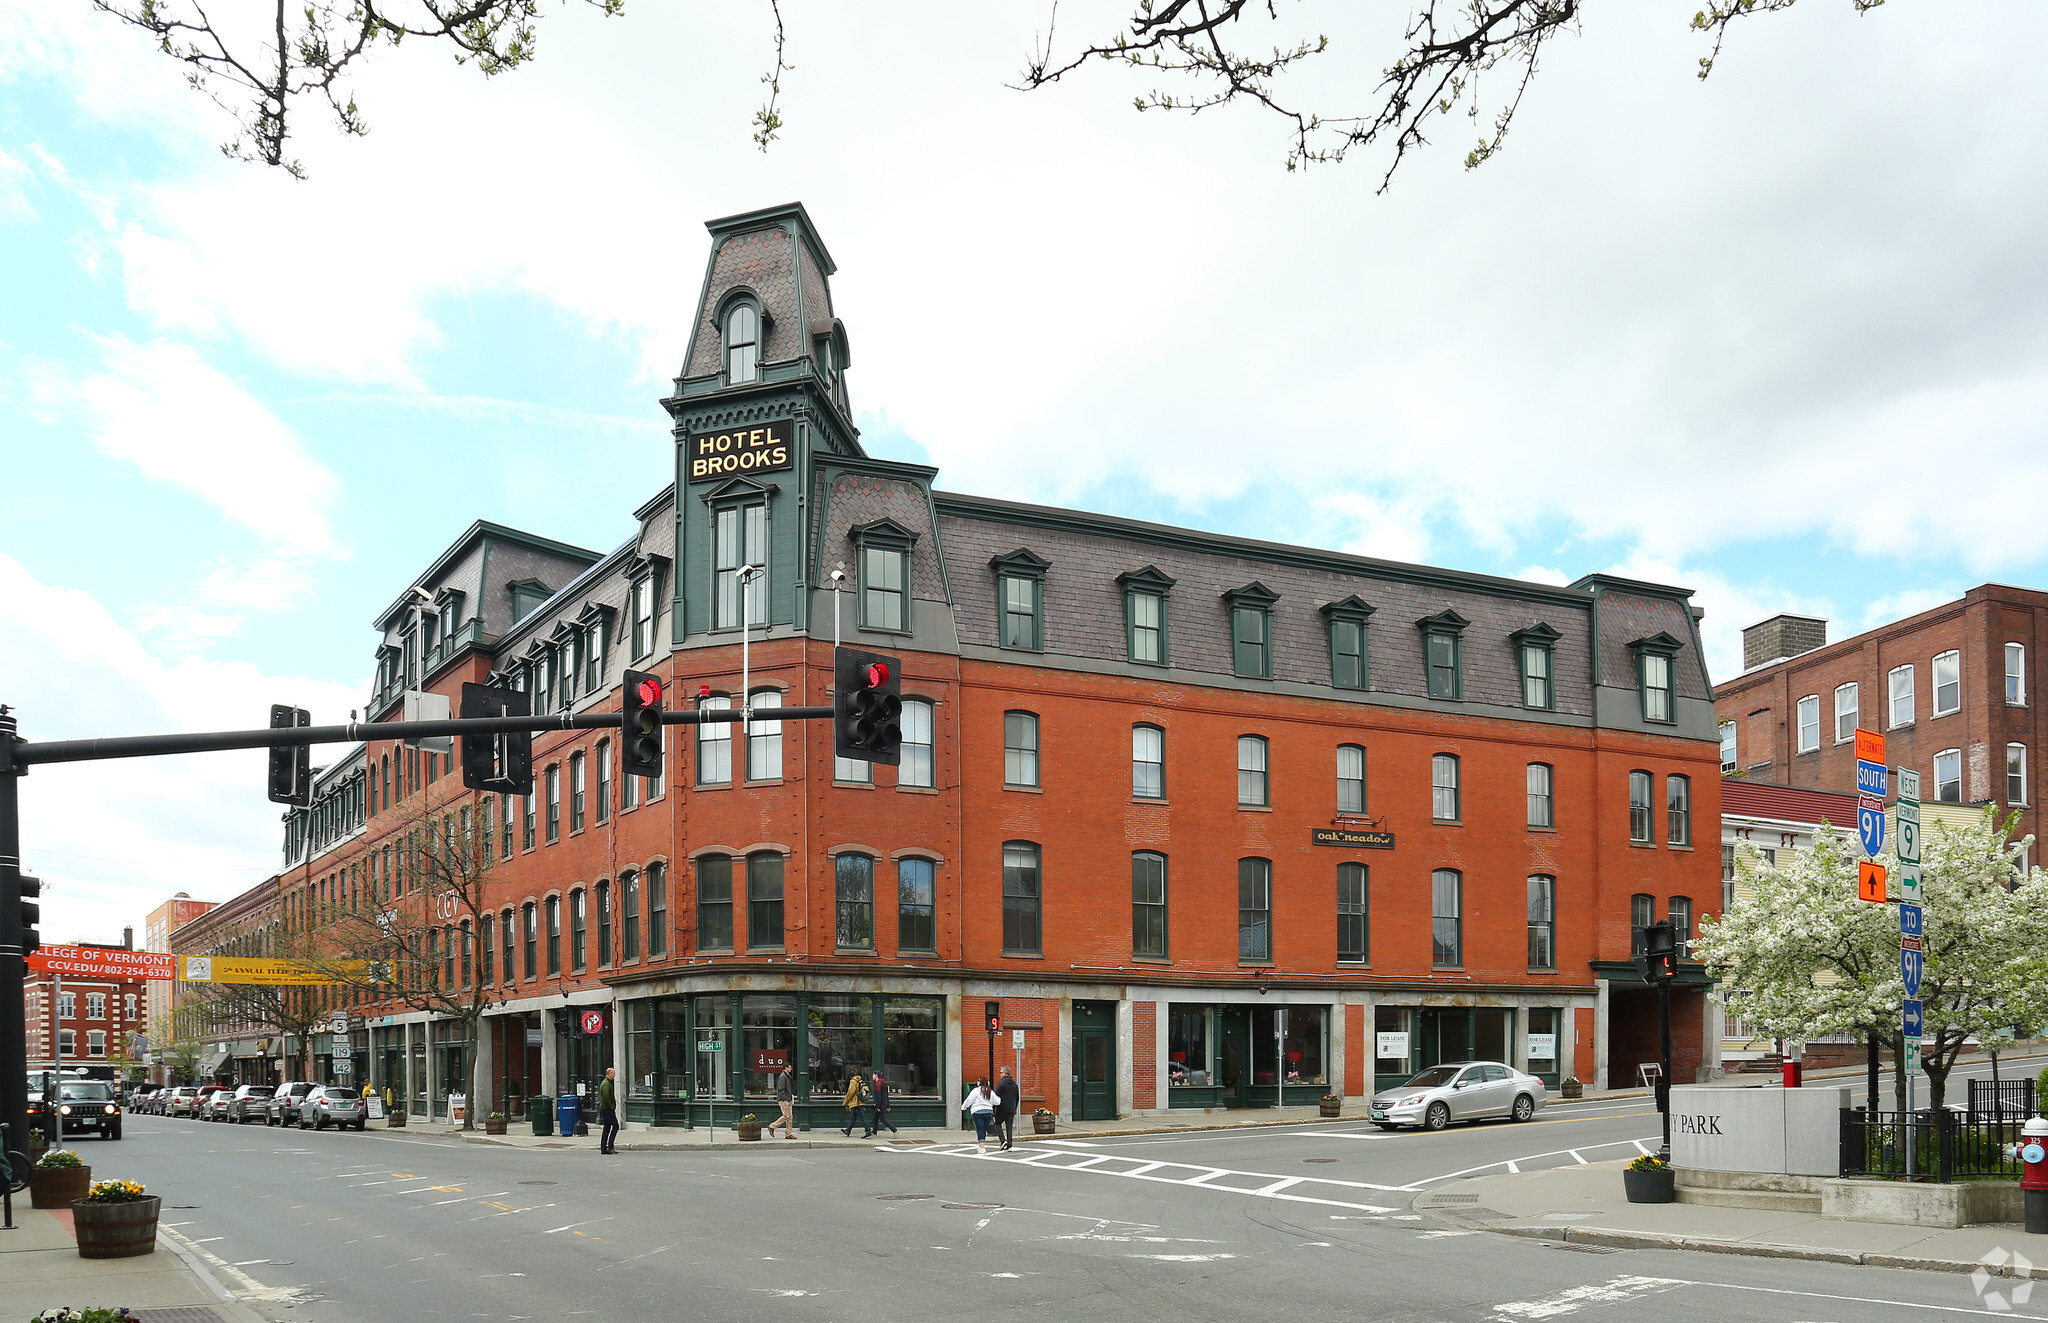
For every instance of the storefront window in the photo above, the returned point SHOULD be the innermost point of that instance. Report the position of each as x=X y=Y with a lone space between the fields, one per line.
x=1391 y=1041
x=1303 y=1044
x=910 y=1045
x=672 y=1049
x=714 y=1046
x=769 y=1024
x=1189 y=1045
x=1543 y=1044
x=640 y=1049
x=841 y=1041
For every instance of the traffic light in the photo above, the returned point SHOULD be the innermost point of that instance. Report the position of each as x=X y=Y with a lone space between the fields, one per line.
x=501 y=762
x=31 y=914
x=291 y=765
x=1658 y=961
x=867 y=706
x=640 y=725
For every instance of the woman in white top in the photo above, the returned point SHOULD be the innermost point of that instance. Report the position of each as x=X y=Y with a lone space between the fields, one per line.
x=981 y=1100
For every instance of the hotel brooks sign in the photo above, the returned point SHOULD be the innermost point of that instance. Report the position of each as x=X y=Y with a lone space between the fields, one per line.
x=755 y=448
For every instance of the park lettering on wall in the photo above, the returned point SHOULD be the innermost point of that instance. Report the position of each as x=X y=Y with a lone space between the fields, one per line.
x=754 y=448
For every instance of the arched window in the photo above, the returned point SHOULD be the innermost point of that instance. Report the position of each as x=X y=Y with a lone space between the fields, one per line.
x=629 y=916
x=604 y=924
x=742 y=344
x=657 y=910
x=554 y=935
x=577 y=919
x=854 y=890
x=714 y=902
x=505 y=926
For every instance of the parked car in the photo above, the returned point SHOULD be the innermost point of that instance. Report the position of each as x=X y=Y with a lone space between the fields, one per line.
x=283 y=1108
x=213 y=1105
x=1458 y=1091
x=88 y=1107
x=246 y=1104
x=332 y=1104
x=179 y=1100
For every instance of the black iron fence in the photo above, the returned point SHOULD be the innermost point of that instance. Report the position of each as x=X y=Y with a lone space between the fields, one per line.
x=1944 y=1146
x=1999 y=1097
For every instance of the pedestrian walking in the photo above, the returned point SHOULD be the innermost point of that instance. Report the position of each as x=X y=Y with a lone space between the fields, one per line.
x=882 y=1107
x=860 y=1106
x=785 y=1098
x=981 y=1101
x=608 y=1111
x=1006 y=1108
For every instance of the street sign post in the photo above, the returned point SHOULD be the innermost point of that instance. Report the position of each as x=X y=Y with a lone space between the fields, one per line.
x=1912 y=930
x=1912 y=1018
x=1870 y=825
x=1912 y=965
x=1871 y=778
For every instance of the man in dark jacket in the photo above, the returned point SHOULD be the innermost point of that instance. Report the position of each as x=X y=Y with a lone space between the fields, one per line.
x=608 y=1111
x=1006 y=1108
x=882 y=1106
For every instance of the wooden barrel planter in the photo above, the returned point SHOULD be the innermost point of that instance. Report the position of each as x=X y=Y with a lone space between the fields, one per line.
x=749 y=1130
x=1330 y=1108
x=115 y=1231
x=57 y=1187
x=494 y=1125
x=395 y=1121
x=1042 y=1122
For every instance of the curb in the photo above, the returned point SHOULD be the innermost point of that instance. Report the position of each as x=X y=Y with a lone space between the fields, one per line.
x=1647 y=1240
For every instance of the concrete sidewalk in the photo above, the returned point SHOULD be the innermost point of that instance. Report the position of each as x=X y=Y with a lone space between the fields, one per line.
x=40 y=1269
x=1585 y=1205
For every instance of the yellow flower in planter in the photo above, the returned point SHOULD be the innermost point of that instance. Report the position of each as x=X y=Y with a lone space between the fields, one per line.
x=116 y=1192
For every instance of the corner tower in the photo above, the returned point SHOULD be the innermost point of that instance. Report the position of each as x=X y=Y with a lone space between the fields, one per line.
x=762 y=393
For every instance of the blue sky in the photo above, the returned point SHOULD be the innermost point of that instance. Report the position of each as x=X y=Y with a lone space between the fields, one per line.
x=1742 y=335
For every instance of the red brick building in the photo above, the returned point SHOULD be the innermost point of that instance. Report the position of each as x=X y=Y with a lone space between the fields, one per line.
x=1952 y=688
x=90 y=1023
x=1157 y=787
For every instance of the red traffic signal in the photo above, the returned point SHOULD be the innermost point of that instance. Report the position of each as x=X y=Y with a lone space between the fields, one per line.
x=640 y=725
x=649 y=690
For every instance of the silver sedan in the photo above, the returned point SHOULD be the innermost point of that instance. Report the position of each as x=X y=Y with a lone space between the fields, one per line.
x=1458 y=1091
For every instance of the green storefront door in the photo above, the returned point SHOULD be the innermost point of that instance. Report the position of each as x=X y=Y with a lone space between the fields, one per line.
x=1235 y=1069
x=1094 y=1061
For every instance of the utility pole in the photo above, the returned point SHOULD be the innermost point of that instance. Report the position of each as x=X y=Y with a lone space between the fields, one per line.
x=13 y=961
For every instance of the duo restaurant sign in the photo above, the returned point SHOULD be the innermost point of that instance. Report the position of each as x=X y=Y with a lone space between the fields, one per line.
x=731 y=452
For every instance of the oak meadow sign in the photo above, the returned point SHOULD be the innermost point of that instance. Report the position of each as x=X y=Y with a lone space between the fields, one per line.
x=758 y=448
x=1358 y=840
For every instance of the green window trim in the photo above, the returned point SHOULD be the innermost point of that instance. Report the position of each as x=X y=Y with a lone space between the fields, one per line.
x=1536 y=665
x=883 y=551
x=1443 y=655
x=1146 y=593
x=1251 y=630
x=1020 y=600
x=1656 y=658
x=1346 y=625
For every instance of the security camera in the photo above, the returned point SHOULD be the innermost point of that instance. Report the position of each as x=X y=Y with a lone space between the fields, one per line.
x=422 y=594
x=837 y=576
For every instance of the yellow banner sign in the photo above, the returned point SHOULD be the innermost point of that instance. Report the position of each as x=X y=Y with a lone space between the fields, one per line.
x=238 y=969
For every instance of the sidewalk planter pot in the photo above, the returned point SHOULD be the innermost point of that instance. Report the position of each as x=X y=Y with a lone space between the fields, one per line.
x=1041 y=1123
x=57 y=1187
x=115 y=1230
x=1332 y=1106
x=395 y=1120
x=1572 y=1089
x=1650 y=1187
x=749 y=1127
x=494 y=1125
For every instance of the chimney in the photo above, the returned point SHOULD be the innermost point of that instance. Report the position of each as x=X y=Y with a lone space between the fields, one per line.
x=1781 y=637
x=128 y=939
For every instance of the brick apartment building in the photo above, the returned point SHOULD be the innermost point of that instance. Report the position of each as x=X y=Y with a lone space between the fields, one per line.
x=1952 y=688
x=1156 y=786
x=157 y=928
x=89 y=1023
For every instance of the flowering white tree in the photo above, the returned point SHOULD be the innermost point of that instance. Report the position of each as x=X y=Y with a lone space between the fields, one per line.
x=1801 y=956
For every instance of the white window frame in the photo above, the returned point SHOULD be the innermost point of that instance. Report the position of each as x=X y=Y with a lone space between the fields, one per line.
x=919 y=766
x=1955 y=662
x=2019 y=777
x=1809 y=721
x=764 y=738
x=1021 y=760
x=1894 y=697
x=1728 y=747
x=714 y=743
x=2016 y=674
x=1853 y=710
x=1957 y=756
x=95 y=1005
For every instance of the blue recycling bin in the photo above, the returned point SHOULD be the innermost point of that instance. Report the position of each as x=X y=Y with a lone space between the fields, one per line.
x=566 y=1108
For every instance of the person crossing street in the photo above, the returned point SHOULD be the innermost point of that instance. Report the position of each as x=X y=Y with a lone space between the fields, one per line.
x=608 y=1111
x=1006 y=1109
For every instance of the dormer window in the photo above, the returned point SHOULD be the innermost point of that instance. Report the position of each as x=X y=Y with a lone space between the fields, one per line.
x=1020 y=600
x=742 y=344
x=1654 y=672
x=1443 y=653
x=885 y=547
x=1251 y=630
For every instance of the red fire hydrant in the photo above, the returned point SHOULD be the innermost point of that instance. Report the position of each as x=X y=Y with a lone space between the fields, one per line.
x=2034 y=1181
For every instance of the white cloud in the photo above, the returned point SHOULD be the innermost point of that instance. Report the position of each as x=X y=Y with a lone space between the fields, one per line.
x=1897 y=606
x=178 y=419
x=115 y=838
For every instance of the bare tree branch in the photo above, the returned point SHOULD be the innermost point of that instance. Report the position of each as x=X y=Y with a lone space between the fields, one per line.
x=1450 y=45
x=768 y=120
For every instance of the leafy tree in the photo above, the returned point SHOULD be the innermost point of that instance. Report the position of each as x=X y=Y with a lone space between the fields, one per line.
x=1800 y=956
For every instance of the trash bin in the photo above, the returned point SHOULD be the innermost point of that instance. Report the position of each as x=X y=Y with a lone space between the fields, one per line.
x=1794 y=1073
x=565 y=1113
x=541 y=1114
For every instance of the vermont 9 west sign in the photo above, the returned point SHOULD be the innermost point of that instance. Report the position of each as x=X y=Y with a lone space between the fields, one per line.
x=731 y=452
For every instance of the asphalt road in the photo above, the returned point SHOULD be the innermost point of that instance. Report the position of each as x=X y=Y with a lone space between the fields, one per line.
x=1311 y=1221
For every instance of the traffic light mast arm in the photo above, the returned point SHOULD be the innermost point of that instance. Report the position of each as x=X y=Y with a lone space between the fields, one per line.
x=29 y=753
